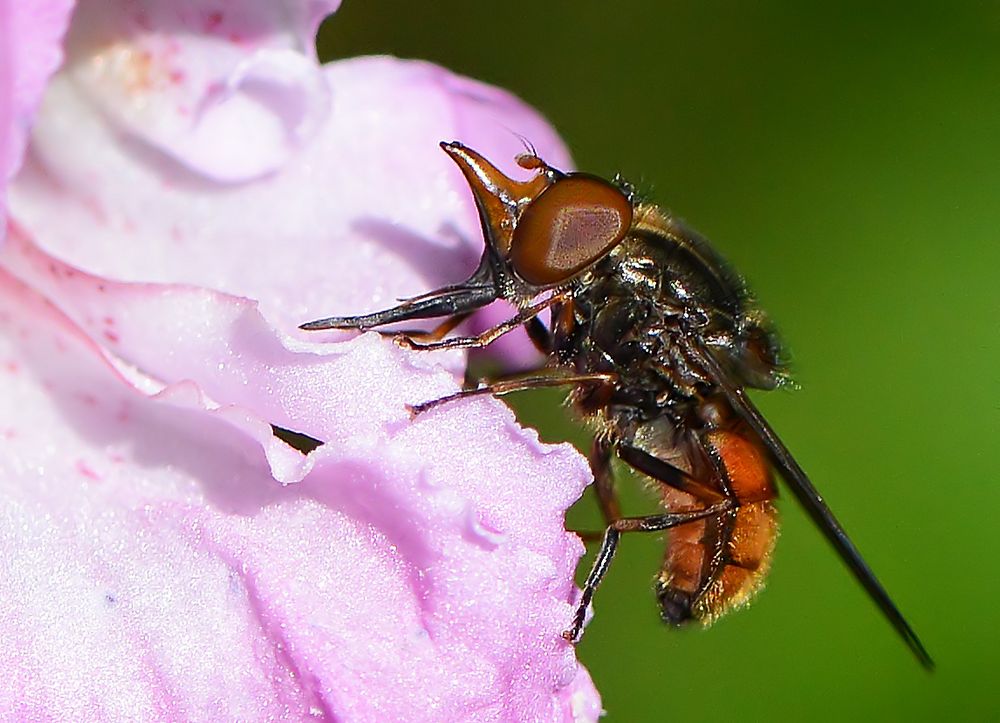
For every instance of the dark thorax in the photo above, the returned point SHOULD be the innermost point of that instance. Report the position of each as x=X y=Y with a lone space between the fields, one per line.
x=636 y=315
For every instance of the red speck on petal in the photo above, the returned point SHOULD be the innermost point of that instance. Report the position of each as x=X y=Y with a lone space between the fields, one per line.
x=9 y=433
x=12 y=366
x=87 y=471
x=111 y=336
x=122 y=414
x=109 y=321
x=177 y=76
x=89 y=399
x=212 y=21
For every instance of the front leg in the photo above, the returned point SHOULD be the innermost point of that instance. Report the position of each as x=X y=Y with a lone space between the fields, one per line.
x=435 y=334
x=488 y=336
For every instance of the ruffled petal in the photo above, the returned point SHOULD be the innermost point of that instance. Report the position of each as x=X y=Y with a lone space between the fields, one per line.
x=370 y=211
x=228 y=93
x=385 y=584
x=197 y=187
x=30 y=51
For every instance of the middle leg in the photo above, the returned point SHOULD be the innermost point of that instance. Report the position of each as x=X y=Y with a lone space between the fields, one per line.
x=516 y=384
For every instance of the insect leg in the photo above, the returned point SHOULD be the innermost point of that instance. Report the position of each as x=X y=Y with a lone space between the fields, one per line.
x=650 y=523
x=604 y=488
x=666 y=473
x=604 y=484
x=488 y=336
x=438 y=332
x=539 y=334
x=500 y=387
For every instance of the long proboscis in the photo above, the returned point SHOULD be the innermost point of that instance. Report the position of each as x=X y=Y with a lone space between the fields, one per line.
x=449 y=301
x=810 y=498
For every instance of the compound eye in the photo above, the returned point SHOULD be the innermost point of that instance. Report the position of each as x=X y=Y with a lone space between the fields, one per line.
x=572 y=224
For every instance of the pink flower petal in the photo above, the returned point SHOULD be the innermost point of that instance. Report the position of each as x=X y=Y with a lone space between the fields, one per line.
x=384 y=585
x=170 y=557
x=30 y=35
x=372 y=210
x=228 y=92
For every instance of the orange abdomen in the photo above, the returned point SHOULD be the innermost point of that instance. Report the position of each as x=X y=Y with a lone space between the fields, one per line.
x=716 y=564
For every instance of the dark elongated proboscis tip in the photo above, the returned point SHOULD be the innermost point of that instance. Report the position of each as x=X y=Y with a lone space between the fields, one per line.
x=448 y=301
x=333 y=322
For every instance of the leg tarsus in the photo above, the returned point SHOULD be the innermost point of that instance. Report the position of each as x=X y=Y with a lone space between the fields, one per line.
x=601 y=563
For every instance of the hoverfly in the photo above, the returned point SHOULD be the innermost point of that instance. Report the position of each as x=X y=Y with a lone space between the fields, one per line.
x=658 y=338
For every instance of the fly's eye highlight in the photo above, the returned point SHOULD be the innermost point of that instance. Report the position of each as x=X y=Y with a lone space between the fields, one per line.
x=572 y=224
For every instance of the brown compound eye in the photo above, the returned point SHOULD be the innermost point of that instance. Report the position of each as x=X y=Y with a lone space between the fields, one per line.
x=572 y=224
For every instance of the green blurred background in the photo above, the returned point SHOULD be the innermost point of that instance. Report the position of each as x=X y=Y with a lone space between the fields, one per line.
x=847 y=160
